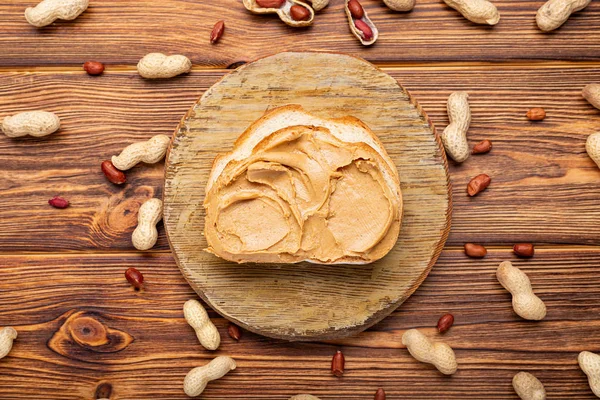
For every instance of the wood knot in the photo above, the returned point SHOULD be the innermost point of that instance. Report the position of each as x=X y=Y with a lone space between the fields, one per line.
x=103 y=391
x=236 y=65
x=117 y=217
x=122 y=211
x=88 y=332
x=83 y=333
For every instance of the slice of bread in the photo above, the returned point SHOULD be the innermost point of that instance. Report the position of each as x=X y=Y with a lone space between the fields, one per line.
x=347 y=130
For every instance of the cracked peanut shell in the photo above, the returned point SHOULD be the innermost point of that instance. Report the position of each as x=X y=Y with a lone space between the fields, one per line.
x=283 y=11
x=365 y=40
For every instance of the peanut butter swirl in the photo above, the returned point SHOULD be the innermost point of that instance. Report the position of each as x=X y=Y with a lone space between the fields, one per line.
x=304 y=195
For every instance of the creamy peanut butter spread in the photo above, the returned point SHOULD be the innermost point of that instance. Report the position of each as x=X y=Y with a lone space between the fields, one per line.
x=303 y=194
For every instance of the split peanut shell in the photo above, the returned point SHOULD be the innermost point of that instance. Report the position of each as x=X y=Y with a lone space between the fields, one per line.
x=283 y=11
x=358 y=33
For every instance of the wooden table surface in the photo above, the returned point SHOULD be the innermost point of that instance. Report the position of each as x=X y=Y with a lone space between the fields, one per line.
x=60 y=266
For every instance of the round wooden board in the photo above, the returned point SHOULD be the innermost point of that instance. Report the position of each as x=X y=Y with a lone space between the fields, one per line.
x=308 y=301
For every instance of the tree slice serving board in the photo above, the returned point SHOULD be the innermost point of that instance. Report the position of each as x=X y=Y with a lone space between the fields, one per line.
x=308 y=301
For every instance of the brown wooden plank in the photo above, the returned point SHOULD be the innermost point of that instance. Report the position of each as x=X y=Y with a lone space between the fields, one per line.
x=38 y=293
x=544 y=187
x=121 y=32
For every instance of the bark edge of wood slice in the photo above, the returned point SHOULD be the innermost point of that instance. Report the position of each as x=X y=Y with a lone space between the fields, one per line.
x=308 y=301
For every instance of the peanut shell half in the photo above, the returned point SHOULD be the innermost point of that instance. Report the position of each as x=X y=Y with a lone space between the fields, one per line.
x=283 y=11
x=356 y=32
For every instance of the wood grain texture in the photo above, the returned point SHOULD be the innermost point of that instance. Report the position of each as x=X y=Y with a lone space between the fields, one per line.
x=289 y=300
x=121 y=32
x=544 y=187
x=39 y=293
